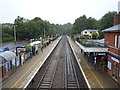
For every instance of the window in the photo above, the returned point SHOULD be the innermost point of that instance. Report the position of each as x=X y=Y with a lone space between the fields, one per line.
x=85 y=32
x=119 y=41
x=115 y=40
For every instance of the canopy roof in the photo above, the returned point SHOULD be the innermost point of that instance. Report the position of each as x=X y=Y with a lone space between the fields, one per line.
x=92 y=47
x=34 y=43
x=113 y=28
x=8 y=55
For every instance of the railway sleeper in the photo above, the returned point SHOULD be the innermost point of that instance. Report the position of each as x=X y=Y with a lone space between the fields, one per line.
x=46 y=82
x=73 y=82
x=47 y=79
x=44 y=86
x=72 y=87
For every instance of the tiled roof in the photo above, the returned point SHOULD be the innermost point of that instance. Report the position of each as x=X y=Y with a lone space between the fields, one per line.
x=113 y=28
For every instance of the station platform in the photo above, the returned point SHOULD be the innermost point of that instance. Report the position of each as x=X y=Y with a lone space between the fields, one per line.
x=24 y=73
x=96 y=78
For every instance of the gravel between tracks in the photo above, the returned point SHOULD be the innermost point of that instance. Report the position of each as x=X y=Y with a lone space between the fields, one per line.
x=58 y=81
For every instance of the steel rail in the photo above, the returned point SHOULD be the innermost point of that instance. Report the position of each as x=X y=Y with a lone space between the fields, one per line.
x=48 y=76
x=71 y=80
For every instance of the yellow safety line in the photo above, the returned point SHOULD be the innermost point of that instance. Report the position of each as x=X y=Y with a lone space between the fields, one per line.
x=26 y=72
x=94 y=76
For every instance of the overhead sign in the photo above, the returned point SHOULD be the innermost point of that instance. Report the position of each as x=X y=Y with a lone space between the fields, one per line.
x=101 y=53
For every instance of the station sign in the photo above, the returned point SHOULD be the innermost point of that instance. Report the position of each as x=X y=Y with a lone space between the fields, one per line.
x=115 y=59
x=20 y=50
x=102 y=54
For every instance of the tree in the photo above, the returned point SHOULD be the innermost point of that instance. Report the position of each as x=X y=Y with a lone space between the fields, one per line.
x=64 y=29
x=80 y=23
x=107 y=20
x=7 y=32
x=27 y=29
x=91 y=23
x=83 y=23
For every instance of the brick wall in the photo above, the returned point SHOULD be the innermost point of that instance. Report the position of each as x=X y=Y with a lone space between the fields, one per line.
x=110 y=41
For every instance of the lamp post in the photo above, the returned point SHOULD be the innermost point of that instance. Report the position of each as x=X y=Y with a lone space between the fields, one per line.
x=1 y=27
x=44 y=32
x=15 y=34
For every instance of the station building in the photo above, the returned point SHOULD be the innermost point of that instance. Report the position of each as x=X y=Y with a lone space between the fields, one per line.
x=89 y=32
x=112 y=40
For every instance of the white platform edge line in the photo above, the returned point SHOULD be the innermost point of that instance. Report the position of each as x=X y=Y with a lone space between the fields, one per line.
x=42 y=63
x=80 y=65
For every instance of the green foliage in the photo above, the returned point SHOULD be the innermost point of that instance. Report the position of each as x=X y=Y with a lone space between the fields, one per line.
x=95 y=35
x=101 y=35
x=64 y=29
x=28 y=48
x=86 y=37
x=77 y=36
x=7 y=34
x=107 y=20
x=83 y=23
x=8 y=38
x=27 y=29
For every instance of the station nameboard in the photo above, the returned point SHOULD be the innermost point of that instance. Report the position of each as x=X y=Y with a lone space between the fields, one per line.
x=20 y=50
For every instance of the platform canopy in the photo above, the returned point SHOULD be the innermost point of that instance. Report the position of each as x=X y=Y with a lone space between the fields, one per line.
x=92 y=48
x=35 y=43
x=113 y=29
x=7 y=56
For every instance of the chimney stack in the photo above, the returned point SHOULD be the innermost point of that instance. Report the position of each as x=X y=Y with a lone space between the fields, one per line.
x=117 y=16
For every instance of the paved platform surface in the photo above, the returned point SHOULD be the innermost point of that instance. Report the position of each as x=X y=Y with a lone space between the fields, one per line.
x=23 y=73
x=96 y=78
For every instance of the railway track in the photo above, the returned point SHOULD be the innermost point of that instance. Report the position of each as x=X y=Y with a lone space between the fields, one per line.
x=71 y=80
x=60 y=70
x=48 y=76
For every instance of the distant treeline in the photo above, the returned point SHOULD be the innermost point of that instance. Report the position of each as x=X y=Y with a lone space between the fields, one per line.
x=35 y=28
x=83 y=23
x=28 y=29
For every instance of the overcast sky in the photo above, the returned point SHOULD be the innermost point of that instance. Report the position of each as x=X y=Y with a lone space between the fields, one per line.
x=55 y=11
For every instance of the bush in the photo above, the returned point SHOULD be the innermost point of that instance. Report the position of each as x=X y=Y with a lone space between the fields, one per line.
x=6 y=39
x=95 y=35
x=86 y=37
x=28 y=48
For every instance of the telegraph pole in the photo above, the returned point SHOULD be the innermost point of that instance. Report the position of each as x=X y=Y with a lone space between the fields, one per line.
x=15 y=35
x=1 y=27
x=44 y=32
